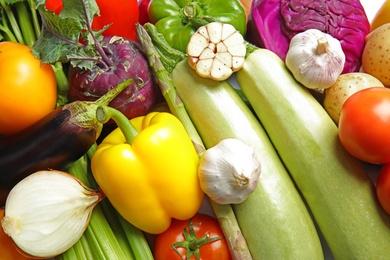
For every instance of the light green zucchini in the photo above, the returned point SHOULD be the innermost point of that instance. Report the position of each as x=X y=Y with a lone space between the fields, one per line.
x=339 y=193
x=274 y=219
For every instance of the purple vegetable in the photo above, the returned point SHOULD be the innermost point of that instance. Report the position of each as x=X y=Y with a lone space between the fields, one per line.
x=127 y=61
x=273 y=23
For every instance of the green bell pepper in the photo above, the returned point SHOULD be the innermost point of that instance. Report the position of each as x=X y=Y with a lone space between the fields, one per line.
x=177 y=20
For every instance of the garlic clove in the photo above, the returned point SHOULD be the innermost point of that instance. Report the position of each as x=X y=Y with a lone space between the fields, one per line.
x=229 y=171
x=47 y=212
x=315 y=59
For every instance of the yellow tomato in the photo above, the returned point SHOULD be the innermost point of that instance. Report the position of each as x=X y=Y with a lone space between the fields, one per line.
x=28 y=89
x=8 y=249
x=382 y=16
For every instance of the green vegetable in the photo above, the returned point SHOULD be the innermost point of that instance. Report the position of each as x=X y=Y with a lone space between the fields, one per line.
x=274 y=215
x=177 y=20
x=337 y=190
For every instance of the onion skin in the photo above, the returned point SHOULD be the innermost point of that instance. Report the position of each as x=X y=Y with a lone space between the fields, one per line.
x=128 y=62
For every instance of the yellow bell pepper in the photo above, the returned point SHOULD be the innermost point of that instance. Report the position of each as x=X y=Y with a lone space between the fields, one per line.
x=152 y=177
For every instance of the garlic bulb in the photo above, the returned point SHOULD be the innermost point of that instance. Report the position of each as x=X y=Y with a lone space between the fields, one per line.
x=216 y=50
x=229 y=171
x=315 y=59
x=47 y=212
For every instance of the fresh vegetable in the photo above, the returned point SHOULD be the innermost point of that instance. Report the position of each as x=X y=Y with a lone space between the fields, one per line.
x=58 y=139
x=344 y=20
x=337 y=190
x=55 y=5
x=229 y=171
x=315 y=59
x=120 y=15
x=383 y=187
x=345 y=85
x=364 y=123
x=177 y=21
x=28 y=88
x=107 y=235
x=267 y=229
x=147 y=168
x=143 y=6
x=45 y=227
x=8 y=247
x=224 y=213
x=197 y=238
x=382 y=16
x=216 y=50
x=376 y=54
x=98 y=64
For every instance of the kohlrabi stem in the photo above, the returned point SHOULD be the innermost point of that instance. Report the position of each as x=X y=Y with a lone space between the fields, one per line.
x=105 y=113
x=224 y=213
x=13 y=23
x=108 y=62
x=25 y=23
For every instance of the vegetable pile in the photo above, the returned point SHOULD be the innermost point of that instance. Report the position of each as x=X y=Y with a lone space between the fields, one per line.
x=164 y=129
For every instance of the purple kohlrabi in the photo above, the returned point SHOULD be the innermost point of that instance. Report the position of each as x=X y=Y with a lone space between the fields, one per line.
x=273 y=23
x=127 y=61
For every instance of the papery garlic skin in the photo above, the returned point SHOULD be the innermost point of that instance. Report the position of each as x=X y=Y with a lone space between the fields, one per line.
x=47 y=212
x=315 y=59
x=229 y=171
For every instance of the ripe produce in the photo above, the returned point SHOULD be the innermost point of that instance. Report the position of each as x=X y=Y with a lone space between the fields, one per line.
x=197 y=238
x=45 y=227
x=147 y=168
x=28 y=89
x=177 y=21
x=383 y=187
x=333 y=183
x=98 y=63
x=216 y=50
x=8 y=247
x=376 y=54
x=346 y=85
x=58 y=139
x=382 y=16
x=344 y=20
x=364 y=125
x=229 y=171
x=315 y=59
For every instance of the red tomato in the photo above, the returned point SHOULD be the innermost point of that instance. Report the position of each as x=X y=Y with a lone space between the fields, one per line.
x=121 y=14
x=54 y=5
x=28 y=89
x=365 y=124
x=383 y=187
x=188 y=237
x=143 y=11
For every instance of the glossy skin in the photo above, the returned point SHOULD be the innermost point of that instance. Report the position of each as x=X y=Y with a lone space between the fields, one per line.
x=382 y=16
x=169 y=18
x=202 y=224
x=28 y=90
x=154 y=179
x=383 y=187
x=364 y=125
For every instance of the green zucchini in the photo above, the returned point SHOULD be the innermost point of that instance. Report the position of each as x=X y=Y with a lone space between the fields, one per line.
x=274 y=219
x=338 y=192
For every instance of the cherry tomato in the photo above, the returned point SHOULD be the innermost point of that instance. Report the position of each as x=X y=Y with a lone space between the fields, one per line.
x=28 y=89
x=8 y=249
x=121 y=14
x=364 y=125
x=189 y=238
x=54 y=5
x=383 y=187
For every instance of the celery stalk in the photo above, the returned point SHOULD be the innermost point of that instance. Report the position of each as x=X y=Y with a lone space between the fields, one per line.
x=25 y=23
x=148 y=36
x=13 y=23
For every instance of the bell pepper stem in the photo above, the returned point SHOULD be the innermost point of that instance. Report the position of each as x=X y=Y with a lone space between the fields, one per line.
x=105 y=113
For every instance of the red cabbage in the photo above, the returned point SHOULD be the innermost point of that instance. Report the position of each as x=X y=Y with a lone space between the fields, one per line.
x=273 y=23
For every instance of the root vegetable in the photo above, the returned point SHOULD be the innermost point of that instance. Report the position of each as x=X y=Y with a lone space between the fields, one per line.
x=346 y=85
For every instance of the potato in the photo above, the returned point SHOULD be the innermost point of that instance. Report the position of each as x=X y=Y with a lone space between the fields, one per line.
x=376 y=54
x=346 y=85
